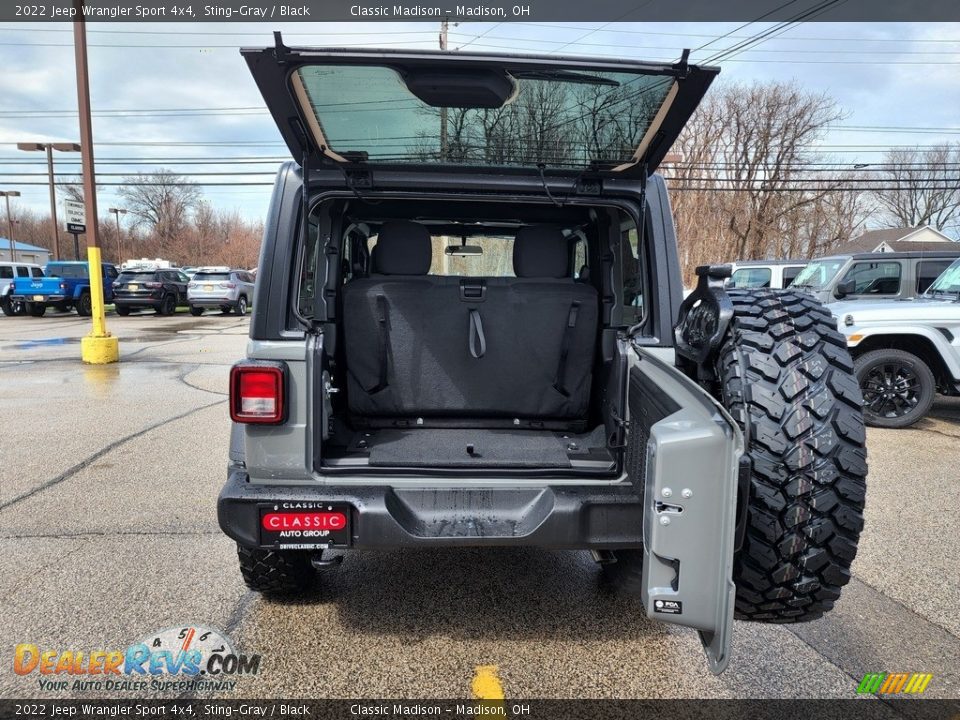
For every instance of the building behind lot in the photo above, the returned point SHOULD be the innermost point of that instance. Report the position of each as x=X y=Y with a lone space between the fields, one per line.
x=25 y=253
x=903 y=239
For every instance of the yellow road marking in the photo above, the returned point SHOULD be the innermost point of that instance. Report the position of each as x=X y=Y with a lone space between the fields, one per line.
x=486 y=683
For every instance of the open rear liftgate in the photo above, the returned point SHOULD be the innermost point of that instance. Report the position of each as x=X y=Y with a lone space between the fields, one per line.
x=683 y=453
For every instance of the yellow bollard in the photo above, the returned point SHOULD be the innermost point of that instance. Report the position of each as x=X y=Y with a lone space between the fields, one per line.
x=99 y=347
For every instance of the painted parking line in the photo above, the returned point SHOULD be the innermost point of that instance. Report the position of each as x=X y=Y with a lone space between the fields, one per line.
x=486 y=683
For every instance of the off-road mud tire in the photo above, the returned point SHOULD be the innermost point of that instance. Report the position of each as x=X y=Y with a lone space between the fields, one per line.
x=787 y=378
x=276 y=573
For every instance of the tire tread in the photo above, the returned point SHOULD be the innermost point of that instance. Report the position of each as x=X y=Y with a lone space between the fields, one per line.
x=786 y=375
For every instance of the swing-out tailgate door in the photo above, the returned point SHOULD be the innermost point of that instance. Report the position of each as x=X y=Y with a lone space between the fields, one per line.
x=684 y=456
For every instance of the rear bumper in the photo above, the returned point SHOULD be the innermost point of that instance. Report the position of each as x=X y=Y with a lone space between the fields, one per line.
x=390 y=517
x=212 y=302
x=47 y=299
x=137 y=302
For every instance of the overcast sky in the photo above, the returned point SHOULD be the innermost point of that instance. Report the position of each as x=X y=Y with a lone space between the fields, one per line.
x=883 y=75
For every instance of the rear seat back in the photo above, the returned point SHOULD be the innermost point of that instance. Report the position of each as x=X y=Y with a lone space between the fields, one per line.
x=469 y=348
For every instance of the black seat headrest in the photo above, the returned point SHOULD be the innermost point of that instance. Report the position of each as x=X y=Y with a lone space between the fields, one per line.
x=540 y=251
x=403 y=248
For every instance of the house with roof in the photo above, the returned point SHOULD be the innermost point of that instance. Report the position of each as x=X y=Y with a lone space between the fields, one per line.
x=908 y=239
x=25 y=253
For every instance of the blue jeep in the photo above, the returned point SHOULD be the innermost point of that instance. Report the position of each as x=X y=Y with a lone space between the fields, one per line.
x=65 y=285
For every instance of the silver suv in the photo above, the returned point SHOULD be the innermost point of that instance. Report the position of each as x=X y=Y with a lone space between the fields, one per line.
x=905 y=351
x=873 y=276
x=220 y=288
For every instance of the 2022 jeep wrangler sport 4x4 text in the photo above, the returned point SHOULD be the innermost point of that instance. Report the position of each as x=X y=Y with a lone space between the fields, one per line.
x=468 y=331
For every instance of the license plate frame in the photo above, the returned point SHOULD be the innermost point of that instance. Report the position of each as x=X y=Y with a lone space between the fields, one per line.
x=301 y=525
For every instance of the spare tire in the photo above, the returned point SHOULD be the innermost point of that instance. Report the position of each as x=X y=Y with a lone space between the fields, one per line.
x=788 y=380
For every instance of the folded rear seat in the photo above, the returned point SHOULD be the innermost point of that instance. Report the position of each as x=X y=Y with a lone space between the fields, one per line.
x=423 y=346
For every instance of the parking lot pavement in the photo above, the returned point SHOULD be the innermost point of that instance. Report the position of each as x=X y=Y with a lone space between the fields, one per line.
x=108 y=482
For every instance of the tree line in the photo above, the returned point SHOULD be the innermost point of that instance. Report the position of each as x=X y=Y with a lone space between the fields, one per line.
x=167 y=217
x=751 y=183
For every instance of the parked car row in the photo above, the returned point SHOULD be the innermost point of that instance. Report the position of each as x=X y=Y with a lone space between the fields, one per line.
x=900 y=313
x=65 y=285
x=876 y=276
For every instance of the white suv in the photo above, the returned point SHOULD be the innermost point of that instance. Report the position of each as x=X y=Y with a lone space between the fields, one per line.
x=9 y=271
x=905 y=351
x=776 y=274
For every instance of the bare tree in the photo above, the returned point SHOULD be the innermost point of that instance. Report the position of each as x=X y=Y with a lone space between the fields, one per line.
x=749 y=187
x=162 y=201
x=922 y=187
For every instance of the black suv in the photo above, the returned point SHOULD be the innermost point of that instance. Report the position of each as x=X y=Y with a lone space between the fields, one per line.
x=468 y=330
x=160 y=290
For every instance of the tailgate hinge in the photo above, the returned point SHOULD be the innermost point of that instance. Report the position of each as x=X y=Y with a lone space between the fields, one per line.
x=683 y=67
x=281 y=51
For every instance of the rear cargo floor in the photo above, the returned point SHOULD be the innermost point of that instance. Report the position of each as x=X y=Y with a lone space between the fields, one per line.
x=451 y=448
x=474 y=447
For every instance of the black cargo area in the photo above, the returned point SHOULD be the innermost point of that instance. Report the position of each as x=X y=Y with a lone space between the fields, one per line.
x=471 y=337
x=475 y=448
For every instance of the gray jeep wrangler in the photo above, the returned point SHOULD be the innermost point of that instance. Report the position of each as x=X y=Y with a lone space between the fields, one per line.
x=468 y=331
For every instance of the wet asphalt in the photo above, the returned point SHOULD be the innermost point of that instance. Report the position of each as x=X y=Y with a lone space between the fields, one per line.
x=108 y=482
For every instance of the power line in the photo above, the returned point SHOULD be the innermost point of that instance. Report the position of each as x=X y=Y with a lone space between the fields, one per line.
x=431 y=33
x=673 y=47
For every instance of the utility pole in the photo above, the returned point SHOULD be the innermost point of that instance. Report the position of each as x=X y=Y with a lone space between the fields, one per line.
x=7 y=194
x=49 y=148
x=99 y=347
x=444 y=30
x=117 y=212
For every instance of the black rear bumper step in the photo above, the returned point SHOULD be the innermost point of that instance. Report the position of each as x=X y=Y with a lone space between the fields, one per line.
x=600 y=517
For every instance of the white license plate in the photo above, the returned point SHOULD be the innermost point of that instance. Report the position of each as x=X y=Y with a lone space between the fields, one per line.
x=133 y=287
x=38 y=298
x=208 y=288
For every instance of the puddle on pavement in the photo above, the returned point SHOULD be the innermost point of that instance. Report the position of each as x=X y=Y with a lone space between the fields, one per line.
x=101 y=378
x=27 y=344
x=53 y=342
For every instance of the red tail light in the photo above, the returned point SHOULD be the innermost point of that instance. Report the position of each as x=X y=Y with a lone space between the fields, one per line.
x=257 y=393
x=229 y=285
x=153 y=285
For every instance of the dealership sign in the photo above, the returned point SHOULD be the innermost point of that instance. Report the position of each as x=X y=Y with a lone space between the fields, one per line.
x=76 y=216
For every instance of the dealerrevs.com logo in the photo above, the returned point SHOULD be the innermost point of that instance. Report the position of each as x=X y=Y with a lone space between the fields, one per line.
x=179 y=659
